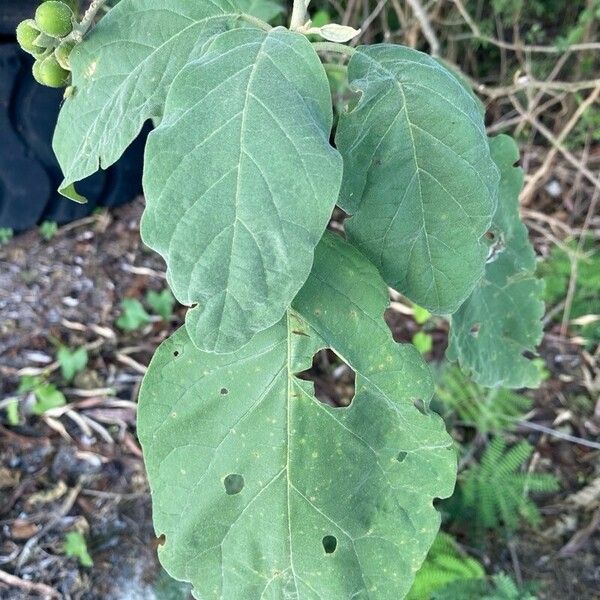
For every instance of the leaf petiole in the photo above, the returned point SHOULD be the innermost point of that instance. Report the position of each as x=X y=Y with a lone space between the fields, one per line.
x=334 y=47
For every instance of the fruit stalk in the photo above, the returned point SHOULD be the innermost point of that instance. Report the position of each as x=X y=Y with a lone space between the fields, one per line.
x=87 y=21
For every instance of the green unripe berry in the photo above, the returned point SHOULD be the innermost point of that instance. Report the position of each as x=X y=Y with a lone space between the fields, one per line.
x=54 y=18
x=36 y=72
x=49 y=73
x=27 y=34
x=73 y=4
x=63 y=53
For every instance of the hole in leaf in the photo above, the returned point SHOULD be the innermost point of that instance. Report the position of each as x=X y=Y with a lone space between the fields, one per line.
x=329 y=544
x=224 y=391
x=334 y=379
x=475 y=329
x=234 y=484
x=490 y=235
x=420 y=406
x=176 y=353
x=161 y=539
x=338 y=218
x=401 y=456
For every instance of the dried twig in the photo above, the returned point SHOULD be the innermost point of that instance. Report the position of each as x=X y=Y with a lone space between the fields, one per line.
x=39 y=589
x=426 y=28
x=521 y=48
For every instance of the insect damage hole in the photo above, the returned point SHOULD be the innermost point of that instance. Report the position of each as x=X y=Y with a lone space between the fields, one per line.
x=329 y=544
x=401 y=456
x=334 y=379
x=234 y=484
x=224 y=391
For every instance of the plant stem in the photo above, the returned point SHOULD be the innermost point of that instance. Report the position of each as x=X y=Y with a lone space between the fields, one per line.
x=298 y=14
x=334 y=47
x=87 y=21
x=335 y=68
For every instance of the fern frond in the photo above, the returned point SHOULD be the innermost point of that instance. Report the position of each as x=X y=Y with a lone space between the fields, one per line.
x=488 y=411
x=496 y=492
x=443 y=565
x=502 y=587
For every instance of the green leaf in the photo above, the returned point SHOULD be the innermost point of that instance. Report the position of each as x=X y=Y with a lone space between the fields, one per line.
x=28 y=383
x=419 y=181
x=161 y=303
x=240 y=182
x=266 y=10
x=12 y=412
x=71 y=361
x=134 y=315
x=331 y=503
x=76 y=546
x=420 y=314
x=122 y=73
x=423 y=342
x=47 y=396
x=48 y=230
x=501 y=318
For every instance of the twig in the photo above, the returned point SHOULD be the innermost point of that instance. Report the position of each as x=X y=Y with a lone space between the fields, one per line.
x=515 y=562
x=559 y=434
x=557 y=143
x=574 y=265
x=426 y=28
x=40 y=589
x=62 y=511
x=476 y=32
x=365 y=24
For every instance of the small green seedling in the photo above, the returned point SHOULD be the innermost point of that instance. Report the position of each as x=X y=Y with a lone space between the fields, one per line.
x=423 y=342
x=421 y=315
x=133 y=315
x=6 y=234
x=75 y=546
x=12 y=412
x=161 y=303
x=71 y=361
x=47 y=395
x=48 y=230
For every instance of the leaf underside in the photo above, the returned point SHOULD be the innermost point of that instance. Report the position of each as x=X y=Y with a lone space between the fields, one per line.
x=240 y=182
x=502 y=317
x=300 y=474
x=419 y=181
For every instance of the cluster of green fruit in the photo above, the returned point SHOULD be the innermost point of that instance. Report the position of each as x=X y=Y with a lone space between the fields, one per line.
x=46 y=39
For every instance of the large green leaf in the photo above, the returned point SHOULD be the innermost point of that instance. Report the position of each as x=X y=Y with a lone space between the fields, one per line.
x=122 y=74
x=240 y=182
x=418 y=176
x=501 y=318
x=252 y=477
x=266 y=10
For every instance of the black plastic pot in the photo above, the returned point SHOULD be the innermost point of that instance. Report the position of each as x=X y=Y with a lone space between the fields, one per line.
x=13 y=12
x=29 y=172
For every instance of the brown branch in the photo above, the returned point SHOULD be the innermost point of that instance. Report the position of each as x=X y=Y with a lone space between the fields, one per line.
x=557 y=143
x=421 y=16
x=476 y=32
x=39 y=589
